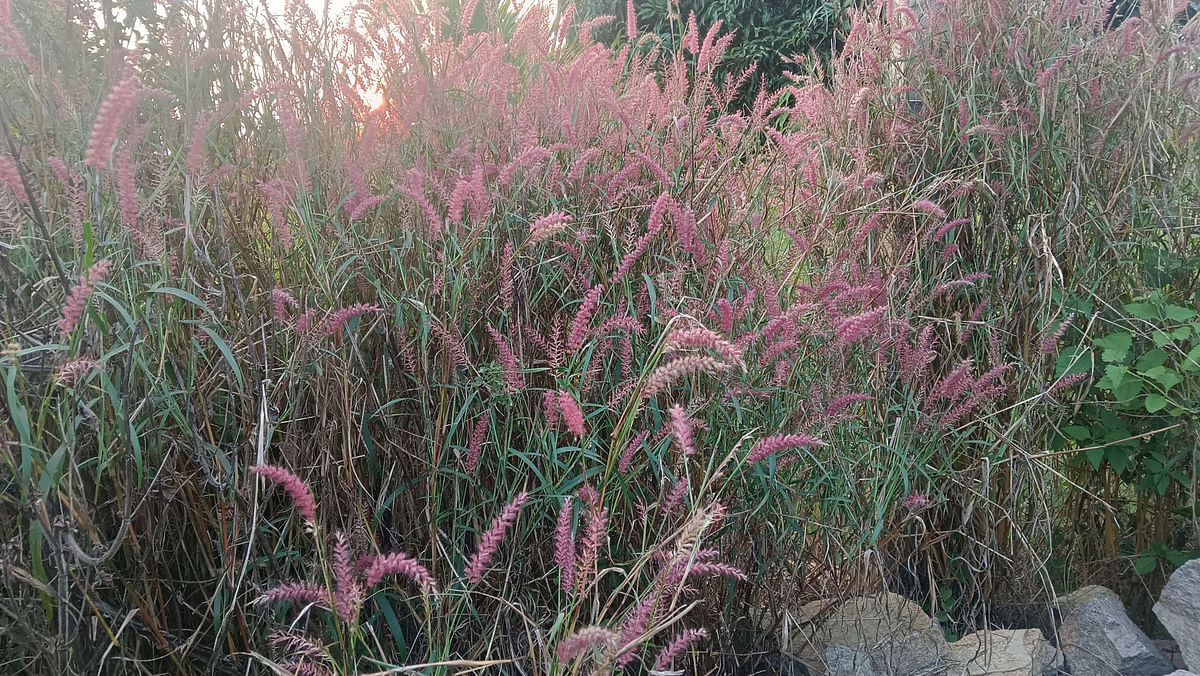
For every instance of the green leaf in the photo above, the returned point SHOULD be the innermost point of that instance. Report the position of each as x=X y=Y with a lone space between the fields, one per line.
x=184 y=295
x=1178 y=314
x=1116 y=346
x=227 y=354
x=1114 y=376
x=1166 y=377
x=1144 y=564
x=1151 y=359
x=1128 y=390
x=1095 y=456
x=1160 y=338
x=1078 y=360
x=1118 y=458
x=50 y=473
x=1077 y=432
x=1155 y=403
x=1142 y=310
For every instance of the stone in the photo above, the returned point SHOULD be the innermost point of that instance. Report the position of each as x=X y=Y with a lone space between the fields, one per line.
x=1178 y=609
x=1169 y=648
x=843 y=661
x=1004 y=652
x=1097 y=638
x=1181 y=672
x=893 y=632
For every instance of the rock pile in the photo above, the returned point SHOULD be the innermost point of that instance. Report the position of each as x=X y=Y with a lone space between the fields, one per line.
x=889 y=635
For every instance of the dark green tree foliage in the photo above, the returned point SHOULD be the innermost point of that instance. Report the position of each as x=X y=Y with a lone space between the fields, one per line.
x=769 y=32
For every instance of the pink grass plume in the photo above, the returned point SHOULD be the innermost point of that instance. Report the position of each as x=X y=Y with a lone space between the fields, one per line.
x=675 y=648
x=571 y=413
x=681 y=429
x=512 y=369
x=334 y=324
x=579 y=325
x=300 y=492
x=475 y=443
x=564 y=546
x=297 y=592
x=401 y=564
x=11 y=177
x=780 y=442
x=582 y=640
x=490 y=542
x=115 y=107
x=77 y=300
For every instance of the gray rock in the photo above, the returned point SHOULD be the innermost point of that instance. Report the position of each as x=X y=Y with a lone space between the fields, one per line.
x=894 y=633
x=1098 y=639
x=1004 y=652
x=843 y=661
x=1181 y=672
x=1178 y=609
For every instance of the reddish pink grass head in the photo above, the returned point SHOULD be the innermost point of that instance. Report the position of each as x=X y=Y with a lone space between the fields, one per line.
x=306 y=504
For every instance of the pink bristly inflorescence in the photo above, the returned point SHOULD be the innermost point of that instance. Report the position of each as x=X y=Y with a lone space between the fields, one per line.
x=490 y=543
x=548 y=226
x=631 y=448
x=475 y=442
x=72 y=371
x=11 y=177
x=301 y=495
x=115 y=107
x=579 y=325
x=583 y=639
x=77 y=300
x=564 y=546
x=512 y=369
x=334 y=324
x=348 y=594
x=572 y=415
x=681 y=429
x=676 y=647
x=299 y=592
x=282 y=300
x=400 y=564
x=768 y=445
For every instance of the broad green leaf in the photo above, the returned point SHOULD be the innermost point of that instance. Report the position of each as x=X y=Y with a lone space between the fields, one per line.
x=1166 y=377
x=1114 y=376
x=1118 y=458
x=1079 y=360
x=1142 y=310
x=1144 y=564
x=1077 y=432
x=1155 y=403
x=1151 y=359
x=1178 y=314
x=1095 y=456
x=1128 y=389
x=1116 y=346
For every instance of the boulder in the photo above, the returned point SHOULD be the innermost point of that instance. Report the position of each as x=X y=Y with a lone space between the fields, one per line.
x=843 y=661
x=897 y=637
x=1004 y=652
x=1181 y=672
x=1097 y=638
x=1178 y=609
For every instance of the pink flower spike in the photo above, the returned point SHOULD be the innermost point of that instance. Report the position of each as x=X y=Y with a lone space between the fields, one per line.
x=579 y=325
x=929 y=207
x=676 y=647
x=334 y=324
x=564 y=546
x=681 y=429
x=303 y=497
x=548 y=226
x=299 y=592
x=475 y=443
x=512 y=369
x=780 y=442
x=490 y=542
x=916 y=501
x=571 y=413
x=76 y=303
x=401 y=564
